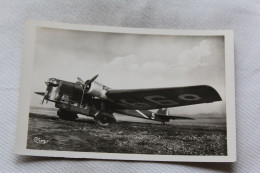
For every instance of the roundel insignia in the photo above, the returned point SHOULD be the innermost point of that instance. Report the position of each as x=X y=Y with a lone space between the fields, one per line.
x=189 y=97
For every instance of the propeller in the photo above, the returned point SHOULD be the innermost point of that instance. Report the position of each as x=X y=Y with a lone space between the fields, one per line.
x=44 y=95
x=86 y=85
x=80 y=80
x=43 y=98
x=88 y=82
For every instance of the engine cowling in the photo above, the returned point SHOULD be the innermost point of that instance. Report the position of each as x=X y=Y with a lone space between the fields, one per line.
x=98 y=90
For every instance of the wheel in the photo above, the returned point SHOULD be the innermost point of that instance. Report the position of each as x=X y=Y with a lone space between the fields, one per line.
x=102 y=122
x=104 y=119
x=67 y=115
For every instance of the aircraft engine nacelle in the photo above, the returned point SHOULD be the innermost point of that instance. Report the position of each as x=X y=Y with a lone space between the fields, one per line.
x=98 y=90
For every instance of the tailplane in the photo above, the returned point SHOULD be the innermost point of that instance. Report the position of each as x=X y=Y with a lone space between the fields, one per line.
x=163 y=113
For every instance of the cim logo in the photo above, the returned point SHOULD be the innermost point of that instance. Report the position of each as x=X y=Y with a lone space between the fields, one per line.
x=39 y=139
x=160 y=100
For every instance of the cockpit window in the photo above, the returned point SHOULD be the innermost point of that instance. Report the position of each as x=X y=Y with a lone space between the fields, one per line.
x=53 y=82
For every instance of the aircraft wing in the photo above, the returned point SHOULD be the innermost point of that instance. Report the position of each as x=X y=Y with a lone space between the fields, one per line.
x=145 y=99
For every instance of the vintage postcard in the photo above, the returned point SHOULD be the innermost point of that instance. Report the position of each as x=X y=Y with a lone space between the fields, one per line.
x=127 y=94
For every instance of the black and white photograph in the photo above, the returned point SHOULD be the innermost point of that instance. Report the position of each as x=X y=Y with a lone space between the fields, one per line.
x=127 y=93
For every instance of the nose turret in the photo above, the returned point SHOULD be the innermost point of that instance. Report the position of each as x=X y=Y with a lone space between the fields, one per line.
x=53 y=82
x=53 y=89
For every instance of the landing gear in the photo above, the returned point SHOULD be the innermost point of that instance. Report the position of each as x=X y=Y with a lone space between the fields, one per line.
x=67 y=115
x=102 y=122
x=104 y=119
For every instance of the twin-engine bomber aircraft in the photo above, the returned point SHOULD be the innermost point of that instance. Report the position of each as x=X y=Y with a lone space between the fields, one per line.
x=93 y=99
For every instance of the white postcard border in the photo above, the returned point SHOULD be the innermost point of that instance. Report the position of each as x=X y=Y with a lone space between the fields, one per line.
x=24 y=101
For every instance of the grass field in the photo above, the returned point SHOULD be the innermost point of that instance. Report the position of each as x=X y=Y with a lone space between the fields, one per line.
x=177 y=138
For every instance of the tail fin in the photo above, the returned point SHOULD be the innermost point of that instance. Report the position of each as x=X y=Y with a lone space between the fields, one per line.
x=163 y=111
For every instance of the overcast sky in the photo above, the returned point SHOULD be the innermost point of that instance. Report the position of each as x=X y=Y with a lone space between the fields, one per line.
x=131 y=61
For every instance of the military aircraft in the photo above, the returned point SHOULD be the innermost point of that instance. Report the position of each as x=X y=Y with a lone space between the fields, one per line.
x=93 y=99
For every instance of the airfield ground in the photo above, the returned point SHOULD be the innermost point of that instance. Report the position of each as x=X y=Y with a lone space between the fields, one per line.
x=179 y=138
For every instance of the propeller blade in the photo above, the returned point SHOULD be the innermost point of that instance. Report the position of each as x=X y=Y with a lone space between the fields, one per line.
x=86 y=86
x=40 y=93
x=80 y=80
x=88 y=82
